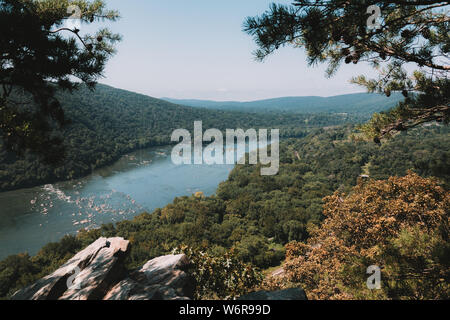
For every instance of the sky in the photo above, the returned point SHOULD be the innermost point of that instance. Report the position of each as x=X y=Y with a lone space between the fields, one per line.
x=195 y=49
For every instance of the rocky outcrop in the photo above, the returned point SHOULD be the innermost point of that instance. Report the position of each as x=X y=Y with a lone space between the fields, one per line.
x=98 y=272
x=287 y=294
x=163 y=278
x=88 y=275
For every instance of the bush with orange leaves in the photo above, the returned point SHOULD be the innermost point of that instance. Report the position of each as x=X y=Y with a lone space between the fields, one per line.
x=400 y=225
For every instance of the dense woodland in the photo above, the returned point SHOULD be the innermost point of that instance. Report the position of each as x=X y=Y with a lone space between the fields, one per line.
x=253 y=214
x=107 y=123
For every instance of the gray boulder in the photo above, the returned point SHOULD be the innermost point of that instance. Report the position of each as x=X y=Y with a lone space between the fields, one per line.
x=86 y=276
x=163 y=278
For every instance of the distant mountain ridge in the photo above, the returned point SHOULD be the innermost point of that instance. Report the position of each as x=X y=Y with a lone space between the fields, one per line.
x=357 y=103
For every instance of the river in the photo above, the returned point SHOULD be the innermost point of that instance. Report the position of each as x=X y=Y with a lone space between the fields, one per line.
x=140 y=181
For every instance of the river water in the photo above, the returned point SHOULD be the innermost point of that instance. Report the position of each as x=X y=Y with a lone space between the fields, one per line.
x=141 y=181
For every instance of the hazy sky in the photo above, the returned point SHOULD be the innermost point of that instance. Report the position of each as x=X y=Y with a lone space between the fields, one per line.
x=196 y=49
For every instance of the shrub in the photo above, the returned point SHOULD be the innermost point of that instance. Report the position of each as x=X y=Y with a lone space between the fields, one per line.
x=220 y=277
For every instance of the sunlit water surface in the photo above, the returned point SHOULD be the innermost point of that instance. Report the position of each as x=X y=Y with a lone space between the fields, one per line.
x=138 y=182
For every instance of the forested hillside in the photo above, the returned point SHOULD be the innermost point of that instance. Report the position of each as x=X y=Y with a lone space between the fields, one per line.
x=362 y=104
x=108 y=122
x=257 y=215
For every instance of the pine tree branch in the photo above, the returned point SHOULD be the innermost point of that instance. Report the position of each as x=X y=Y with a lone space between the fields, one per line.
x=437 y=113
